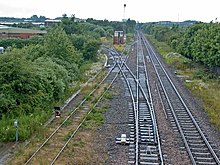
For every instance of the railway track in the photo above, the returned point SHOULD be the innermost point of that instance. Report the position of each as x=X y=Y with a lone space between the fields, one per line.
x=144 y=142
x=196 y=143
x=53 y=146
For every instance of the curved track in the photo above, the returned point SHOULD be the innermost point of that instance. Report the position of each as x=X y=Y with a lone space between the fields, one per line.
x=197 y=145
x=55 y=144
x=144 y=146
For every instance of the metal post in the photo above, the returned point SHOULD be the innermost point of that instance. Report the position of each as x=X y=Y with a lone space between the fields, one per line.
x=16 y=133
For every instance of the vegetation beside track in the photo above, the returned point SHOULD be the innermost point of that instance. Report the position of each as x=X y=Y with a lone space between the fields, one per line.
x=201 y=82
x=94 y=120
x=85 y=148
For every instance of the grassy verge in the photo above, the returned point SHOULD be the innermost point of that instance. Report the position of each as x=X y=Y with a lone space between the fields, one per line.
x=86 y=147
x=30 y=123
x=201 y=82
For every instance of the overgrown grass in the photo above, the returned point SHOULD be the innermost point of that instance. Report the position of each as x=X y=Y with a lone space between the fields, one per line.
x=202 y=83
x=108 y=95
x=30 y=123
x=27 y=124
x=94 y=119
x=161 y=47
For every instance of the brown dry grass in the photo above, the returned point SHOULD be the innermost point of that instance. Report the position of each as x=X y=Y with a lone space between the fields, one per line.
x=83 y=150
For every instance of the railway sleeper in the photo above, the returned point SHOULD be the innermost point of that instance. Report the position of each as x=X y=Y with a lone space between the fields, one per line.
x=145 y=118
x=146 y=125
x=132 y=133
x=202 y=145
x=189 y=135
x=131 y=150
x=146 y=148
x=199 y=141
x=146 y=137
x=206 y=163
x=150 y=158
x=147 y=142
x=130 y=121
x=185 y=121
x=186 y=125
x=144 y=115
x=202 y=154
x=198 y=149
x=132 y=156
x=131 y=162
x=146 y=133
x=190 y=131
x=147 y=154
x=204 y=159
x=131 y=139
x=191 y=128
x=149 y=163
x=184 y=118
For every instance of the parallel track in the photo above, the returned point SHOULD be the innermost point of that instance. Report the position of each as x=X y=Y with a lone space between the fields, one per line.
x=144 y=147
x=197 y=145
x=76 y=115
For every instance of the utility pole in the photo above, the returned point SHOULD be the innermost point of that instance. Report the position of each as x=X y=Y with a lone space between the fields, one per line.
x=124 y=19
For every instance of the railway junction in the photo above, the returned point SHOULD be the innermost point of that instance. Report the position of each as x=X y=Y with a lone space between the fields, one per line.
x=151 y=118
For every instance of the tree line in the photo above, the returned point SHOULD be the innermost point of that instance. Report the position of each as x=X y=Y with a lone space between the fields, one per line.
x=38 y=72
x=199 y=42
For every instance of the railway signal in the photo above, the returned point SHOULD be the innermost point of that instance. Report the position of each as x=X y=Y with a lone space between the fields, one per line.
x=57 y=112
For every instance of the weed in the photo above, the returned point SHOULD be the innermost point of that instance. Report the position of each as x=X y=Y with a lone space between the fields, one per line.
x=68 y=122
x=108 y=95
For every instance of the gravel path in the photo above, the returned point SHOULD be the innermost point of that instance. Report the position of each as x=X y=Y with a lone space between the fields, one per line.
x=116 y=124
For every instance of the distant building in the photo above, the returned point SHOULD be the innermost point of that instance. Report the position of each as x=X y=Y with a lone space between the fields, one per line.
x=11 y=32
x=50 y=22
x=119 y=37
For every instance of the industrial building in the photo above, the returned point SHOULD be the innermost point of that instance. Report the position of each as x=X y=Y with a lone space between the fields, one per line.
x=11 y=32
x=119 y=37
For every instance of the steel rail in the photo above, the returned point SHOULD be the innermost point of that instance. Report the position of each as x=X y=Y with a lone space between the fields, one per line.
x=83 y=120
x=75 y=131
x=137 y=109
x=184 y=104
x=135 y=104
x=157 y=137
x=57 y=128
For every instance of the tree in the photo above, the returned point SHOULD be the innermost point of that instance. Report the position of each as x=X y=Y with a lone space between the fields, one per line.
x=59 y=47
x=91 y=49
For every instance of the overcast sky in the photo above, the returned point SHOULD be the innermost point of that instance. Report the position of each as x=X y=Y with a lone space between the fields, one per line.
x=139 y=10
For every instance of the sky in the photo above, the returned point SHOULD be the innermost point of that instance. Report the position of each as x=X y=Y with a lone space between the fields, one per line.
x=113 y=10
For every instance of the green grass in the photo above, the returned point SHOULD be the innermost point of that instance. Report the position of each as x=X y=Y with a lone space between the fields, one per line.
x=95 y=118
x=203 y=84
x=27 y=125
x=32 y=123
x=161 y=47
x=108 y=95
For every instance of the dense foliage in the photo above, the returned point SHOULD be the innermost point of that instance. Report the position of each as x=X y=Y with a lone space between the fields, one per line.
x=200 y=41
x=36 y=73
x=19 y=43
